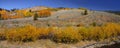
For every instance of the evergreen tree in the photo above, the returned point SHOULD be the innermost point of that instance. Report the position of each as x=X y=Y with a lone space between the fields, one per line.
x=86 y=12
x=35 y=16
x=0 y=16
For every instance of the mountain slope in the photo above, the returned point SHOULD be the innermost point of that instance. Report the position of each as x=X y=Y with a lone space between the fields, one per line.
x=71 y=17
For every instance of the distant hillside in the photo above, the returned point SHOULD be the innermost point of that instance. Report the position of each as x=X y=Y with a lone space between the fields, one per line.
x=62 y=18
x=115 y=12
x=57 y=17
x=36 y=8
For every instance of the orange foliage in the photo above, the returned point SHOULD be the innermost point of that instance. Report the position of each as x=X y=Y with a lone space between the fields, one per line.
x=4 y=17
x=44 y=13
x=3 y=12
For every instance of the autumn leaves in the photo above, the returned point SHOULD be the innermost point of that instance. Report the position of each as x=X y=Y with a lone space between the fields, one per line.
x=4 y=15
x=61 y=34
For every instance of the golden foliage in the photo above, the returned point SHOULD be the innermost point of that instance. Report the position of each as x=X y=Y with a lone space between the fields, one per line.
x=28 y=14
x=3 y=12
x=6 y=15
x=67 y=35
x=24 y=13
x=26 y=33
x=62 y=34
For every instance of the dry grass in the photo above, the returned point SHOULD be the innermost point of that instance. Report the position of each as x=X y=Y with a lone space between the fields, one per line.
x=43 y=43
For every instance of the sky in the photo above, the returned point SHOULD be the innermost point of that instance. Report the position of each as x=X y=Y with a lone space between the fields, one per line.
x=90 y=4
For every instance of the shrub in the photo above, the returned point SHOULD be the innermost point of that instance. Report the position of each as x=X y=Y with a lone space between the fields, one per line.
x=94 y=24
x=62 y=34
x=85 y=33
x=109 y=30
x=67 y=35
x=44 y=32
x=112 y=28
x=97 y=33
x=26 y=33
